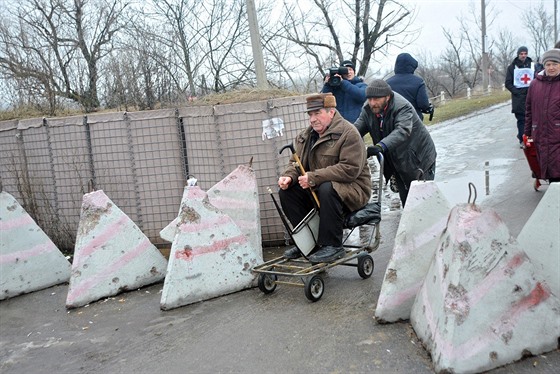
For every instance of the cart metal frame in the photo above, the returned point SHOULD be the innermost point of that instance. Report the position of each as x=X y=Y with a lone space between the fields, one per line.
x=302 y=273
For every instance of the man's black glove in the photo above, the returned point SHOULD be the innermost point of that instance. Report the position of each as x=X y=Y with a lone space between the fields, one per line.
x=374 y=150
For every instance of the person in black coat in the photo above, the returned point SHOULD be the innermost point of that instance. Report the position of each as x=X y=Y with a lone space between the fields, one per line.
x=398 y=133
x=410 y=86
x=518 y=78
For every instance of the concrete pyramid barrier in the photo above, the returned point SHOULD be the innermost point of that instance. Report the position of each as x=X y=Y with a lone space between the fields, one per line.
x=29 y=260
x=422 y=222
x=540 y=237
x=210 y=256
x=168 y=232
x=482 y=303
x=237 y=196
x=111 y=254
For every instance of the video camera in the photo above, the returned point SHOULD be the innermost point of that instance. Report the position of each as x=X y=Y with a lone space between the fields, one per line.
x=429 y=111
x=335 y=81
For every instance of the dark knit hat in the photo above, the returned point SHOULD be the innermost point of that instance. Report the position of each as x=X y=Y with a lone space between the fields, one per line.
x=348 y=64
x=552 y=55
x=522 y=49
x=378 y=88
x=320 y=101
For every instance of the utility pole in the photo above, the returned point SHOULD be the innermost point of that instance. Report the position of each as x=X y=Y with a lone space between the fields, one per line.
x=555 y=21
x=485 y=64
x=256 y=44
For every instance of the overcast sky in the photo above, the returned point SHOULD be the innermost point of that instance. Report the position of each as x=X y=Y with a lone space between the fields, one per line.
x=433 y=15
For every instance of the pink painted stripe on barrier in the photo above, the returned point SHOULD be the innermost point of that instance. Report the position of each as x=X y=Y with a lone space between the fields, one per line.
x=422 y=192
x=206 y=224
x=244 y=224
x=496 y=276
x=471 y=220
x=403 y=296
x=195 y=193
x=24 y=219
x=216 y=246
x=108 y=271
x=29 y=253
x=231 y=203
x=479 y=343
x=94 y=244
x=420 y=239
x=97 y=199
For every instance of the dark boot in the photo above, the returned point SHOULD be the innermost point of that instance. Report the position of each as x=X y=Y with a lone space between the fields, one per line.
x=327 y=253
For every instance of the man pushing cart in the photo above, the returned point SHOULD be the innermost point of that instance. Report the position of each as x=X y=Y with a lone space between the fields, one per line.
x=328 y=176
x=337 y=174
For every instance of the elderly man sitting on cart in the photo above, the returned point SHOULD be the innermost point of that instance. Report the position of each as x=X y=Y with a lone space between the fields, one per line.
x=333 y=154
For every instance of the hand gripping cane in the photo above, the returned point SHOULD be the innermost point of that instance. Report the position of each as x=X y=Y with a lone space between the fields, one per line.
x=300 y=168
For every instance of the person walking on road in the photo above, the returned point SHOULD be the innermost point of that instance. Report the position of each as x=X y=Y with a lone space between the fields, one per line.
x=542 y=116
x=398 y=133
x=518 y=78
x=332 y=153
x=410 y=86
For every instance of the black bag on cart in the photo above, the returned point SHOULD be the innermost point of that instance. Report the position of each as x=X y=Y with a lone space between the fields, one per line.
x=369 y=214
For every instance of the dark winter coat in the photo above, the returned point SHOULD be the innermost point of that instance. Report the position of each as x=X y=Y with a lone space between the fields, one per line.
x=542 y=122
x=518 y=95
x=350 y=97
x=408 y=85
x=338 y=156
x=409 y=144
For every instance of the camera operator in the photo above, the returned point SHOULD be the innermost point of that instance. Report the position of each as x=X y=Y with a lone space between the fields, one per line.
x=348 y=89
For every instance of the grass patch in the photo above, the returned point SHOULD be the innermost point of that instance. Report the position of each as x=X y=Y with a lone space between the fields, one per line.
x=443 y=112
x=460 y=107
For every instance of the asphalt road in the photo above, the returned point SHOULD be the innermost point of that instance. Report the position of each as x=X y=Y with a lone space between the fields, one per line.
x=250 y=332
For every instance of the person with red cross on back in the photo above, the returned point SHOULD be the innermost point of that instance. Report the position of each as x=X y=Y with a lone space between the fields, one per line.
x=519 y=75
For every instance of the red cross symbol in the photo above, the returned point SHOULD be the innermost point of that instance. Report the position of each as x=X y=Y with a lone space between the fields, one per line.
x=525 y=79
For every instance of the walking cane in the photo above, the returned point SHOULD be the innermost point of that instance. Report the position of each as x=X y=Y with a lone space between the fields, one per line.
x=300 y=167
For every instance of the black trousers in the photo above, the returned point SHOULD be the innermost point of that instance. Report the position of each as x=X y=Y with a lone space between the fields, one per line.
x=403 y=187
x=297 y=202
x=520 y=117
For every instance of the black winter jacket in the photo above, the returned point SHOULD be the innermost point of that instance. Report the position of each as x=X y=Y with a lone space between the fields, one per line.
x=408 y=85
x=518 y=95
x=410 y=147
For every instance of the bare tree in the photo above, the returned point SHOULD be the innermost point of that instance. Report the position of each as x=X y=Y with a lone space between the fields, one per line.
x=540 y=24
x=56 y=46
x=455 y=69
x=177 y=28
x=502 y=55
x=431 y=72
x=463 y=56
x=203 y=44
x=332 y=31
x=227 y=41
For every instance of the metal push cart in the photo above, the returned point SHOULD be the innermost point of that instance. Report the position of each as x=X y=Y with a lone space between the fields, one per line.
x=302 y=273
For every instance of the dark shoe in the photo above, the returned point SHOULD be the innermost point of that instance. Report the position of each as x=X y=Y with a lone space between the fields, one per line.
x=292 y=253
x=327 y=253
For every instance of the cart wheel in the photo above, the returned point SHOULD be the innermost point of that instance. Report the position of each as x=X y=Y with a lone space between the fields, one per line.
x=314 y=288
x=267 y=282
x=365 y=266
